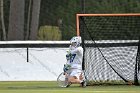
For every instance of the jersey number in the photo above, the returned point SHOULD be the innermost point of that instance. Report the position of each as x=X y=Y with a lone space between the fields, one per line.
x=72 y=58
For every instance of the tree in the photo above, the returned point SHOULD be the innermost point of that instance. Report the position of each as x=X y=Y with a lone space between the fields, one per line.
x=2 y=21
x=27 y=29
x=35 y=20
x=16 y=20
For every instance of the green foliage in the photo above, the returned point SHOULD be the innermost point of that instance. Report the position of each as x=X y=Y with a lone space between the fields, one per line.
x=49 y=33
x=53 y=10
x=112 y=6
x=67 y=9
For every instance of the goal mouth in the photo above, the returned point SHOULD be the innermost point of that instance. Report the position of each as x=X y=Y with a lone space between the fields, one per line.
x=111 y=44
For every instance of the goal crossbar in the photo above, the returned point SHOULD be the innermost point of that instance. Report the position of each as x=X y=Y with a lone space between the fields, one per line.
x=79 y=15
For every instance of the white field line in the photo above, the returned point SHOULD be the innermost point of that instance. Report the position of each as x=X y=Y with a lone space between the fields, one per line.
x=76 y=91
x=80 y=91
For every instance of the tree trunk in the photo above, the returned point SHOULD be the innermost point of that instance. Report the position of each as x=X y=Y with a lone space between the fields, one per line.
x=35 y=20
x=2 y=22
x=16 y=20
x=28 y=20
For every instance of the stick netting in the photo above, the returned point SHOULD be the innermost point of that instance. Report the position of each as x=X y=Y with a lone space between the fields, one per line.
x=111 y=46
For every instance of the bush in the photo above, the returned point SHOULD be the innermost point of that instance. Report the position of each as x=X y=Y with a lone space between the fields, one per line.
x=49 y=33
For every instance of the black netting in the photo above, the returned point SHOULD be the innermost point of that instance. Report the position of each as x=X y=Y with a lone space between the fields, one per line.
x=111 y=45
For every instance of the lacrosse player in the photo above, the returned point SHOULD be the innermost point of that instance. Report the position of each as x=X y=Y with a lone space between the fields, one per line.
x=74 y=57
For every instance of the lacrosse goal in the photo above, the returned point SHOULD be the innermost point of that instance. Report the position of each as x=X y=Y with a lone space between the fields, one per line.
x=111 y=47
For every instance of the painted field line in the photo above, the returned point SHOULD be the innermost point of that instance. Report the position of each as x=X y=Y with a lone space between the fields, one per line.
x=87 y=91
x=77 y=91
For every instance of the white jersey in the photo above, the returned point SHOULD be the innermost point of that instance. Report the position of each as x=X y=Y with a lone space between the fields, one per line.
x=76 y=57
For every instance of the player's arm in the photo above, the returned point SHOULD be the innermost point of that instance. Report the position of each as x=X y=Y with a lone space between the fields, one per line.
x=67 y=65
x=78 y=50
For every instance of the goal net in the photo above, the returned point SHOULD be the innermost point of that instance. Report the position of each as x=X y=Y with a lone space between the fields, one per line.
x=111 y=47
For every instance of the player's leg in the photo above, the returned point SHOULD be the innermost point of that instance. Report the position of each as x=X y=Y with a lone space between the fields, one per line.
x=75 y=76
x=74 y=79
x=84 y=79
x=67 y=79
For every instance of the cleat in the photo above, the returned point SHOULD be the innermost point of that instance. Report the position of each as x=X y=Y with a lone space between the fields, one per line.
x=68 y=85
x=84 y=84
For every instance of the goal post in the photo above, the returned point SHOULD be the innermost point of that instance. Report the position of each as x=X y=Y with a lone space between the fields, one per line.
x=110 y=43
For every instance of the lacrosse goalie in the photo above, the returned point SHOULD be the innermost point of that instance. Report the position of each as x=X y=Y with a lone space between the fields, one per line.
x=73 y=67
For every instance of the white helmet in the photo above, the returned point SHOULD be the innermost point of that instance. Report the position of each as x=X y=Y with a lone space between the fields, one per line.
x=77 y=40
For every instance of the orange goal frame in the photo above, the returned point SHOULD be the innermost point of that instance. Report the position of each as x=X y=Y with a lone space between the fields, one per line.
x=79 y=15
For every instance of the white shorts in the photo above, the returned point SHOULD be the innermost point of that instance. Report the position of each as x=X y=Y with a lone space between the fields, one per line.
x=75 y=72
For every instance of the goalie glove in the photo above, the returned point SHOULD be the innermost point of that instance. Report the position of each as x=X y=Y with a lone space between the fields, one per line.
x=66 y=67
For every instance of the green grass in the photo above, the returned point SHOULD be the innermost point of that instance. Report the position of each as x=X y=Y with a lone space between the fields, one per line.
x=51 y=87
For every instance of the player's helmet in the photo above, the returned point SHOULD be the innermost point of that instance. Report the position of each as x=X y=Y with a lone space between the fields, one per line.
x=76 y=41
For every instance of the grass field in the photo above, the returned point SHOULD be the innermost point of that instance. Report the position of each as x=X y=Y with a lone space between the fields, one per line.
x=51 y=87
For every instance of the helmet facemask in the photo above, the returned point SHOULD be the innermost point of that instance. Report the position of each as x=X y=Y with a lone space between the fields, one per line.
x=74 y=44
x=75 y=41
